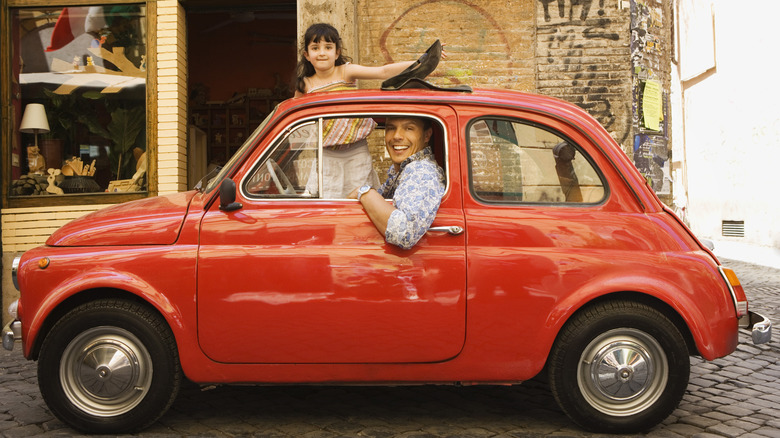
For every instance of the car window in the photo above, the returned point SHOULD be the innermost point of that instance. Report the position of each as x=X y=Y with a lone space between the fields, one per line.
x=519 y=162
x=287 y=171
x=312 y=157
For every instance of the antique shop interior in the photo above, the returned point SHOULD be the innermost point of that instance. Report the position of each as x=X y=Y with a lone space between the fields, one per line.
x=80 y=92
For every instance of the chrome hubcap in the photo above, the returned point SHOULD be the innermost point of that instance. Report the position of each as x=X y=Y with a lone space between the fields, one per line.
x=622 y=372
x=105 y=371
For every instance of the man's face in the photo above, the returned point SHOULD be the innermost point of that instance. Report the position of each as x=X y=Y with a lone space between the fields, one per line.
x=404 y=137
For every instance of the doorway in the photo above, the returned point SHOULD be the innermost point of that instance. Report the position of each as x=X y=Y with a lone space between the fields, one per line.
x=241 y=60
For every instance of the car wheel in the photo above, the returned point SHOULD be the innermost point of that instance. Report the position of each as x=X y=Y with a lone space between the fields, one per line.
x=109 y=366
x=619 y=367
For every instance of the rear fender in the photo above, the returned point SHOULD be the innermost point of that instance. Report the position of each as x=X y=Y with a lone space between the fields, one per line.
x=713 y=331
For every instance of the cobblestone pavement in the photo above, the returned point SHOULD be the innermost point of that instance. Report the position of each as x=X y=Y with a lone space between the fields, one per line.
x=734 y=396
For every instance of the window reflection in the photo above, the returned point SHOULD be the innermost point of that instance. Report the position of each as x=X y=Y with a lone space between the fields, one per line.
x=87 y=67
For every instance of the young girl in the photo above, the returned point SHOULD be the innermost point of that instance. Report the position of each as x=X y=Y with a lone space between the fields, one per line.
x=346 y=160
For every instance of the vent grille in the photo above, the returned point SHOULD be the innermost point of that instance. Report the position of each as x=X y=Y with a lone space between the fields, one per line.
x=733 y=228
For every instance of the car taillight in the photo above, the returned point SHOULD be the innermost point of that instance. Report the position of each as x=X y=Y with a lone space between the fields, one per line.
x=737 y=293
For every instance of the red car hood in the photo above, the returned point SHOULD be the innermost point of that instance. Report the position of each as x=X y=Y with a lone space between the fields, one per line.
x=150 y=221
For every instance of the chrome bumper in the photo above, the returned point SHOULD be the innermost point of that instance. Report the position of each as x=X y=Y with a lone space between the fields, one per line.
x=11 y=333
x=759 y=326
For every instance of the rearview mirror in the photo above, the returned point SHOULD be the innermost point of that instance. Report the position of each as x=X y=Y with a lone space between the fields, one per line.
x=227 y=196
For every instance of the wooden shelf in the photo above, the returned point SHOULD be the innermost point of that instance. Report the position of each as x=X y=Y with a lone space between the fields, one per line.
x=227 y=125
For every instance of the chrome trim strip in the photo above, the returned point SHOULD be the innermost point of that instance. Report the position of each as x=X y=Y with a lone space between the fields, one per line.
x=14 y=269
x=731 y=290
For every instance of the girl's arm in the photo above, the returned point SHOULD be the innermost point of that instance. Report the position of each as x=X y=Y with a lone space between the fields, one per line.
x=357 y=71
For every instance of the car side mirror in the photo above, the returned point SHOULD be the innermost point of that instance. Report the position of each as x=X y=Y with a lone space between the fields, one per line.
x=227 y=196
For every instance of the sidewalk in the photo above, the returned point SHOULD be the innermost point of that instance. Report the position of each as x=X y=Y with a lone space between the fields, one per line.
x=764 y=256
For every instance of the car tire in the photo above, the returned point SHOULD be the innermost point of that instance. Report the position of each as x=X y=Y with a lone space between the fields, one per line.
x=619 y=367
x=109 y=366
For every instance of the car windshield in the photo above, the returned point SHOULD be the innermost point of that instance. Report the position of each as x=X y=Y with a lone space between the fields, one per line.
x=211 y=181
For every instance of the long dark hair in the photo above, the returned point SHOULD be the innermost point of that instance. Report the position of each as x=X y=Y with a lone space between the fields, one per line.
x=316 y=33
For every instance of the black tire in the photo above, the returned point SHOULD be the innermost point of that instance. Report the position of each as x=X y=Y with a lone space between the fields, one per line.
x=619 y=367
x=127 y=393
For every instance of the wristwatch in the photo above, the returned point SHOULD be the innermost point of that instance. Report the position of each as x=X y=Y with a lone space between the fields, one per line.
x=362 y=191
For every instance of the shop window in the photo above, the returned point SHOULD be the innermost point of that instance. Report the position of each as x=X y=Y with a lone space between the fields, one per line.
x=78 y=100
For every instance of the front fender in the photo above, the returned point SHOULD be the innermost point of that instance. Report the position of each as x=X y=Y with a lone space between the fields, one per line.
x=132 y=270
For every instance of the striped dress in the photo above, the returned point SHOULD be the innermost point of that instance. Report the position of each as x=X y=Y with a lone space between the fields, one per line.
x=347 y=162
x=340 y=134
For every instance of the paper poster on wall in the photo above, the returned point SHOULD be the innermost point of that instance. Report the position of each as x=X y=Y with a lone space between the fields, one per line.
x=651 y=106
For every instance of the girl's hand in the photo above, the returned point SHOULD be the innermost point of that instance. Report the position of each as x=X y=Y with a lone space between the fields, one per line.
x=443 y=53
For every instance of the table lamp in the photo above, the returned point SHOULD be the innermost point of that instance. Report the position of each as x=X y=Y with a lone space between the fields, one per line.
x=34 y=120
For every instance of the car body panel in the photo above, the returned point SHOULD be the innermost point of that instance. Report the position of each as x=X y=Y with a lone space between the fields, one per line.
x=321 y=268
x=149 y=221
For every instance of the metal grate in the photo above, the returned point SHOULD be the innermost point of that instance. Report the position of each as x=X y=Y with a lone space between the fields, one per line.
x=733 y=228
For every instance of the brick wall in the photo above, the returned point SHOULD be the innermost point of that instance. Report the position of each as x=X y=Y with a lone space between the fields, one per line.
x=488 y=43
x=578 y=51
x=595 y=54
x=583 y=56
x=172 y=98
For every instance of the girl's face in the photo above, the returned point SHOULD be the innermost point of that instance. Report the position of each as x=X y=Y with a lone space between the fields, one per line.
x=322 y=54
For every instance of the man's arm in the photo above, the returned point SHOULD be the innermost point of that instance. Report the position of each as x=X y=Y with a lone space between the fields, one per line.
x=377 y=208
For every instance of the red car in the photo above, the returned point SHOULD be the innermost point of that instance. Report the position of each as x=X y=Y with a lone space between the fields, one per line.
x=548 y=253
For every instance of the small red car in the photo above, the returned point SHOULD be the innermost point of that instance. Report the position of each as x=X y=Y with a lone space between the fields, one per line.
x=548 y=253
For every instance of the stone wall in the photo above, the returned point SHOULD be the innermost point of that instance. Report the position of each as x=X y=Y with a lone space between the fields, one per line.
x=340 y=14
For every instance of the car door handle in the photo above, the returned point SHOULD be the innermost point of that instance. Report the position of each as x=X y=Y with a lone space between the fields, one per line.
x=452 y=229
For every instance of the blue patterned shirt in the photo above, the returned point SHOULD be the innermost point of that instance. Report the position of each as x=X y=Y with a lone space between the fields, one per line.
x=416 y=189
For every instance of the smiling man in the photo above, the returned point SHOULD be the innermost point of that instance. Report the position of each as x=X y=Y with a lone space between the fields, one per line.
x=415 y=182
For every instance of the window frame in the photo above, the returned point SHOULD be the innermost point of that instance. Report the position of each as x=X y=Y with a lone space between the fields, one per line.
x=586 y=156
x=318 y=119
x=8 y=112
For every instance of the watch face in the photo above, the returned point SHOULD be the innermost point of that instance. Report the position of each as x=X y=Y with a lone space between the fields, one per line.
x=363 y=190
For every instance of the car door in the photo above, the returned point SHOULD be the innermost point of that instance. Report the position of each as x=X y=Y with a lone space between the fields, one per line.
x=295 y=278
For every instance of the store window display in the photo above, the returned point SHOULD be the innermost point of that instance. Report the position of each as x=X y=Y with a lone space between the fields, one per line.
x=86 y=66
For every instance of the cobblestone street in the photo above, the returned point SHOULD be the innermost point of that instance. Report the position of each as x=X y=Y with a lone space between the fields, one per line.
x=734 y=396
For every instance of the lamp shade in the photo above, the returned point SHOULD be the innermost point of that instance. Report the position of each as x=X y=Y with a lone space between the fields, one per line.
x=34 y=119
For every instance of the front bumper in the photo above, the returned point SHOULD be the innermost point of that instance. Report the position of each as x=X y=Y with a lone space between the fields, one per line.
x=760 y=327
x=11 y=333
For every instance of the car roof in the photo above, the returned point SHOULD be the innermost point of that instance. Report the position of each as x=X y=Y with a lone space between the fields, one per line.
x=478 y=96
